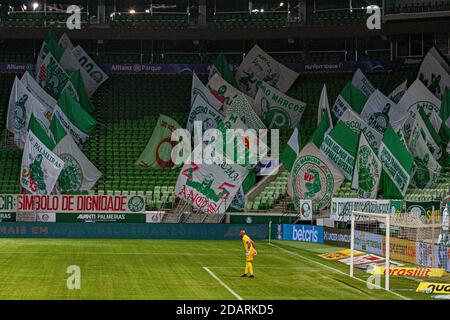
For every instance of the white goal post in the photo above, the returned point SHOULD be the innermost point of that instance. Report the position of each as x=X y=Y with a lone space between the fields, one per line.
x=376 y=217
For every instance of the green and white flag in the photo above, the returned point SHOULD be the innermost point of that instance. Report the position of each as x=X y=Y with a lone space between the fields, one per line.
x=258 y=67
x=89 y=65
x=313 y=177
x=225 y=92
x=277 y=109
x=423 y=126
x=41 y=132
x=397 y=165
x=22 y=104
x=361 y=82
x=40 y=167
x=209 y=188
x=65 y=42
x=415 y=97
x=444 y=131
x=340 y=146
x=50 y=44
x=242 y=109
x=426 y=169
x=76 y=114
x=78 y=173
x=202 y=111
x=81 y=95
x=61 y=124
x=367 y=173
x=37 y=91
x=378 y=110
x=53 y=79
x=158 y=151
x=199 y=89
x=399 y=91
x=349 y=98
x=324 y=105
x=434 y=73
x=358 y=125
x=291 y=151
x=69 y=63
x=221 y=66
x=325 y=125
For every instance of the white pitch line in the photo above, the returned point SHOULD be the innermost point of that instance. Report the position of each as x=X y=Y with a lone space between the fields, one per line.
x=223 y=284
x=335 y=270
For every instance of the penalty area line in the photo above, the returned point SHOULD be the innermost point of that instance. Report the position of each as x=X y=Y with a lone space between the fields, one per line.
x=223 y=284
x=335 y=270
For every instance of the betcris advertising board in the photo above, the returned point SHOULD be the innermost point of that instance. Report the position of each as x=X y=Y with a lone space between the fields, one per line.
x=303 y=233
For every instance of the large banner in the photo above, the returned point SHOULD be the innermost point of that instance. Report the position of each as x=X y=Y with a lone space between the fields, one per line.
x=341 y=208
x=72 y=203
x=258 y=66
x=337 y=237
x=277 y=109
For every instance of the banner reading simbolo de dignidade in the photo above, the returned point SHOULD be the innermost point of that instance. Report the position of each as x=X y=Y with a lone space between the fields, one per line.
x=72 y=203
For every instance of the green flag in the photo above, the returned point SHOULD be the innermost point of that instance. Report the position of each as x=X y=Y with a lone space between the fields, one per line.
x=397 y=165
x=221 y=66
x=77 y=115
x=77 y=81
x=340 y=146
x=324 y=126
x=57 y=129
x=40 y=132
x=158 y=152
x=350 y=97
x=291 y=151
x=54 y=48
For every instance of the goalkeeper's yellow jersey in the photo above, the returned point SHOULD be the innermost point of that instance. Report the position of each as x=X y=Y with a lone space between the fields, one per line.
x=246 y=239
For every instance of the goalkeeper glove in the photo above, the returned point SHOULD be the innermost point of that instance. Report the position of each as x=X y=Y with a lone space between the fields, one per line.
x=247 y=253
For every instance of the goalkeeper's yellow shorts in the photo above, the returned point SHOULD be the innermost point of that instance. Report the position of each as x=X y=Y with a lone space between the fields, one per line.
x=249 y=258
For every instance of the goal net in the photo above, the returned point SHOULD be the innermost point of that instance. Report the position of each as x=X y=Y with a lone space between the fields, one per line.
x=387 y=241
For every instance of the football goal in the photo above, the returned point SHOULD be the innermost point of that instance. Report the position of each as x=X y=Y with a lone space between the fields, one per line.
x=390 y=241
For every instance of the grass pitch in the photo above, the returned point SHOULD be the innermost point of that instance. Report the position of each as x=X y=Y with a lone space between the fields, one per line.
x=180 y=269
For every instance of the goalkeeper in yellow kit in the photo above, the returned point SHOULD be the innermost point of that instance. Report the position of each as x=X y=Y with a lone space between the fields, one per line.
x=250 y=252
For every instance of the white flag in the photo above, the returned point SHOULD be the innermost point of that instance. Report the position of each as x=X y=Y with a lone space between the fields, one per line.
x=378 y=111
x=398 y=92
x=40 y=167
x=225 y=92
x=37 y=91
x=209 y=187
x=416 y=96
x=79 y=173
x=202 y=111
x=426 y=169
x=324 y=105
x=433 y=73
x=198 y=88
x=22 y=104
x=94 y=71
x=361 y=82
x=367 y=172
x=65 y=42
x=258 y=66
x=276 y=108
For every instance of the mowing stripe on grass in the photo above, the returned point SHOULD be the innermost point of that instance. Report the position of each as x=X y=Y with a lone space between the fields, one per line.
x=335 y=270
x=223 y=284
